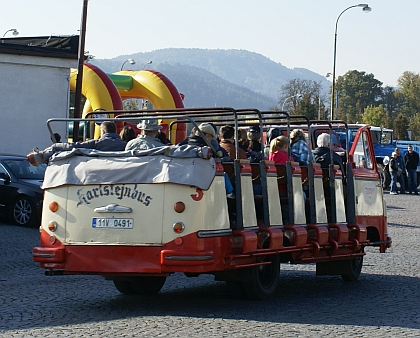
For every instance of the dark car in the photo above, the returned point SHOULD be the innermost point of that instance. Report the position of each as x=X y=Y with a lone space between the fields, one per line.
x=20 y=190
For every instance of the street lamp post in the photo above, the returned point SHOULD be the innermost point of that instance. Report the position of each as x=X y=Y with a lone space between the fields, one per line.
x=290 y=97
x=130 y=61
x=13 y=30
x=366 y=9
x=147 y=63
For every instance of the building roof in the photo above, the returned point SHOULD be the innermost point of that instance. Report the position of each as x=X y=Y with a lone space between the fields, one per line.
x=50 y=46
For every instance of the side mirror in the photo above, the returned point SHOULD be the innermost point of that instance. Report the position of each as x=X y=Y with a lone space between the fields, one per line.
x=5 y=177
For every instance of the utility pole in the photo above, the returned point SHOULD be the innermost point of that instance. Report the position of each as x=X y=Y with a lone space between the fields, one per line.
x=78 y=94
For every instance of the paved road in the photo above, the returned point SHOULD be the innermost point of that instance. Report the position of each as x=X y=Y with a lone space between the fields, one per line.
x=384 y=302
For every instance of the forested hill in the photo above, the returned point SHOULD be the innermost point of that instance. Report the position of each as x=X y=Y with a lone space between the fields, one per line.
x=236 y=78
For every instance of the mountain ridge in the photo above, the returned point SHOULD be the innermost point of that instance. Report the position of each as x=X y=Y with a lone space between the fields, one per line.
x=239 y=77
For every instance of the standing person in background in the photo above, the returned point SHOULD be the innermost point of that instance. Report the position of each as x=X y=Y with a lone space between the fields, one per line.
x=411 y=160
x=401 y=165
x=393 y=170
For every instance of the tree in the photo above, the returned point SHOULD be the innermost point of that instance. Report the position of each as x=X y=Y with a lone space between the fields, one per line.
x=376 y=116
x=390 y=101
x=356 y=91
x=132 y=104
x=309 y=102
x=401 y=127
x=409 y=93
x=414 y=126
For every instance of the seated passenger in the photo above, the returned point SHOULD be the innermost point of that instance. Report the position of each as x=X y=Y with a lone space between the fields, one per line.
x=227 y=135
x=272 y=133
x=254 y=154
x=127 y=134
x=279 y=155
x=322 y=154
x=243 y=141
x=279 y=150
x=147 y=137
x=299 y=148
x=109 y=140
x=196 y=140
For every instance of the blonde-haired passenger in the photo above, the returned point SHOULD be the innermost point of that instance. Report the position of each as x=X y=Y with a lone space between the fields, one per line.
x=278 y=150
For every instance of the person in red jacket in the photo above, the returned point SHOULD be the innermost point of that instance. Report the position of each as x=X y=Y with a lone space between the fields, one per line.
x=278 y=150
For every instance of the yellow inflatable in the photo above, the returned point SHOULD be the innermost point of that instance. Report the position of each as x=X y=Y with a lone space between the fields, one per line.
x=106 y=92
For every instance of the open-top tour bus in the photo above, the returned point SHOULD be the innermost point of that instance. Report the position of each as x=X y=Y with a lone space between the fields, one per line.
x=136 y=217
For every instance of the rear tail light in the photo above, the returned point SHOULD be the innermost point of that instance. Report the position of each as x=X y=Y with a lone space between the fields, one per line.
x=52 y=226
x=178 y=227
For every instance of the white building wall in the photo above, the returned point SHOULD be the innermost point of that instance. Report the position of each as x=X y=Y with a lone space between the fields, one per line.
x=32 y=90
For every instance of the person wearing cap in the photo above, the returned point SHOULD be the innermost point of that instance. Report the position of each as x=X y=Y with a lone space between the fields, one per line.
x=393 y=170
x=386 y=174
x=196 y=140
x=146 y=139
x=210 y=134
x=254 y=137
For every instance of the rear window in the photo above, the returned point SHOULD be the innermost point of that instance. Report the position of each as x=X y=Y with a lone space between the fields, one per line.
x=24 y=170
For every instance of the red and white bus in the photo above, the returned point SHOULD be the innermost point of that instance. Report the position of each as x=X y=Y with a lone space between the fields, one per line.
x=138 y=217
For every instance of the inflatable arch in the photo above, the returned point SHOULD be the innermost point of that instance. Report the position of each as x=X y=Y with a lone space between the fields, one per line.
x=106 y=91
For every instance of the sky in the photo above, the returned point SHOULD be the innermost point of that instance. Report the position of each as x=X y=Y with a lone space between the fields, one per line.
x=297 y=34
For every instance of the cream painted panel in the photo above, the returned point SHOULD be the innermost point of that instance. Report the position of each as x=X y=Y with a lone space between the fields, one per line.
x=248 y=205
x=274 y=207
x=58 y=195
x=208 y=213
x=369 y=197
x=298 y=201
x=320 y=209
x=339 y=200
x=145 y=200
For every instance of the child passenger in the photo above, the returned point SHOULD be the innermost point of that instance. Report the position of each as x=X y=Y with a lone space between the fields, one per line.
x=278 y=150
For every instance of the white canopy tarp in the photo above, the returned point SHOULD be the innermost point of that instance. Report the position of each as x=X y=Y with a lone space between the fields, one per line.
x=178 y=165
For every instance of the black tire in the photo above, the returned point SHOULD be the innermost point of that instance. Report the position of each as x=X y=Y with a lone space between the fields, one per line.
x=23 y=212
x=264 y=279
x=124 y=287
x=354 y=268
x=146 y=285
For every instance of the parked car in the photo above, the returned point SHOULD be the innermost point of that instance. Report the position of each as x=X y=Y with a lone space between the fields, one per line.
x=20 y=190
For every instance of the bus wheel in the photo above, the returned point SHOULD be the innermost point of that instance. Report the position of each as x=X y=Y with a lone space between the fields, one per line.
x=146 y=285
x=124 y=287
x=264 y=279
x=353 y=269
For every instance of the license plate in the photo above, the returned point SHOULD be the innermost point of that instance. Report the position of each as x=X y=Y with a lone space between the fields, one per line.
x=112 y=223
